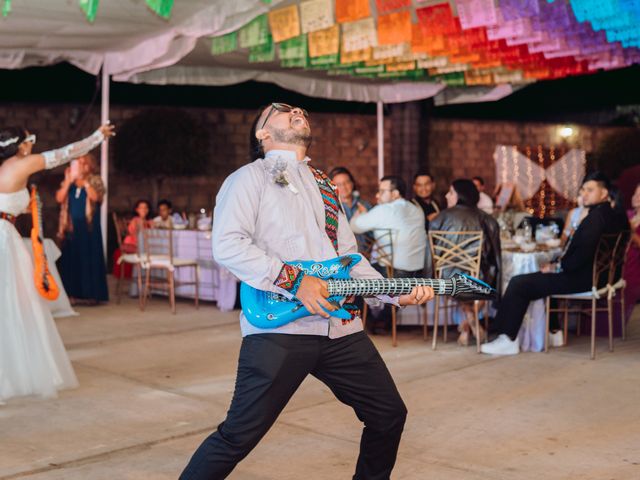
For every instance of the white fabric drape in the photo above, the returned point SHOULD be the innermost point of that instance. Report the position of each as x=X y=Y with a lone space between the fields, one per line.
x=564 y=175
x=315 y=87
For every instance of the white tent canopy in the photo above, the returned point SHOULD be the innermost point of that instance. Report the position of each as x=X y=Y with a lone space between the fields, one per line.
x=130 y=43
x=133 y=44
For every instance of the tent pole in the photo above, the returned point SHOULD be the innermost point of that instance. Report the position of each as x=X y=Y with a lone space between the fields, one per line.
x=380 y=115
x=104 y=159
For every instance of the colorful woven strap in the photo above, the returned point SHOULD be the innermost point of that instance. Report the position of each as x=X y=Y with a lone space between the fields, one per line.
x=289 y=278
x=331 y=205
x=353 y=309
x=8 y=217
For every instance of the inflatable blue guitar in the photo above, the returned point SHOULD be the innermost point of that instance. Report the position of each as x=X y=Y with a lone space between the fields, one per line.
x=270 y=310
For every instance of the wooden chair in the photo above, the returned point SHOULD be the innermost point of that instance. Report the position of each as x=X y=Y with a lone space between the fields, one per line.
x=600 y=282
x=461 y=251
x=617 y=282
x=132 y=259
x=158 y=255
x=379 y=249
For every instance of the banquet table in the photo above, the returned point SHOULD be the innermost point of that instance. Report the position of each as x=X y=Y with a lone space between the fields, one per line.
x=216 y=282
x=61 y=307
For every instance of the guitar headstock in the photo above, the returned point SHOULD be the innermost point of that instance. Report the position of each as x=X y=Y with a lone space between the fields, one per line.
x=467 y=288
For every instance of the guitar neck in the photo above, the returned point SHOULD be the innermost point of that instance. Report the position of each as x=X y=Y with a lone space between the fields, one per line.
x=387 y=286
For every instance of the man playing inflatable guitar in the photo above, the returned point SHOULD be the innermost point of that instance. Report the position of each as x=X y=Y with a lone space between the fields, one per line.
x=280 y=209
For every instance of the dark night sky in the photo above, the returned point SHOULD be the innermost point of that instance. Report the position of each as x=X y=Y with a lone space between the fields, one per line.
x=586 y=99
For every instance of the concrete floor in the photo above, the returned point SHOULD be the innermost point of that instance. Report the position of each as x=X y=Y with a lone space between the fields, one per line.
x=153 y=385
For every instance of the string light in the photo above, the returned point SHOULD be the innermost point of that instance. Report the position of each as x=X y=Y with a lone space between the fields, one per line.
x=529 y=203
x=541 y=205
x=503 y=151
x=552 y=192
x=565 y=192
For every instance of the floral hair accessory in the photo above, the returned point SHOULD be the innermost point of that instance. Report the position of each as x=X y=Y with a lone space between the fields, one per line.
x=11 y=141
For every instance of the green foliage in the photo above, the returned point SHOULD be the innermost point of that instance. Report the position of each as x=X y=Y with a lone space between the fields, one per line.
x=617 y=152
x=161 y=142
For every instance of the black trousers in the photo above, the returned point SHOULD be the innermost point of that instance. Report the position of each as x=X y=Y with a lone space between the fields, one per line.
x=524 y=288
x=272 y=367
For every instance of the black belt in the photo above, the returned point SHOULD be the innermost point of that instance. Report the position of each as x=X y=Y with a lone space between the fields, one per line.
x=8 y=217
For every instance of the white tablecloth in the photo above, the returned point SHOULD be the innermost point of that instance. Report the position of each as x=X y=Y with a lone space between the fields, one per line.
x=517 y=263
x=60 y=307
x=216 y=283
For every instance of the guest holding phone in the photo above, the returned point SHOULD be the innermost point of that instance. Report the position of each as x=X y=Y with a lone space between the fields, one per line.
x=141 y=220
x=82 y=266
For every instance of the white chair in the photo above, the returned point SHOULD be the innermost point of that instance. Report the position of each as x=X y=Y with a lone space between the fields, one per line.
x=600 y=289
x=132 y=259
x=158 y=255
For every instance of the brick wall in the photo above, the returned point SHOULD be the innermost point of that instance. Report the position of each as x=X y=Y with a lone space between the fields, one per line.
x=454 y=148
x=339 y=139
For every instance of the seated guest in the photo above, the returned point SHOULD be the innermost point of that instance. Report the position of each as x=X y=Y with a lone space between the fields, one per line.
x=130 y=242
x=423 y=188
x=403 y=219
x=571 y=274
x=347 y=191
x=632 y=265
x=398 y=227
x=462 y=214
x=166 y=217
x=485 y=203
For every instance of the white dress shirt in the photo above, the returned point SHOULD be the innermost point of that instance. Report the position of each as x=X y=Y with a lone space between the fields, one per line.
x=485 y=203
x=258 y=224
x=406 y=222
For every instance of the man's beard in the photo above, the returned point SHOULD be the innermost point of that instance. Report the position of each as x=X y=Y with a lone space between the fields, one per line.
x=292 y=137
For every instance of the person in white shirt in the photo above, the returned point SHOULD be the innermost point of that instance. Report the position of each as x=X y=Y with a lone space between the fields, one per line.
x=279 y=209
x=166 y=217
x=485 y=203
x=406 y=222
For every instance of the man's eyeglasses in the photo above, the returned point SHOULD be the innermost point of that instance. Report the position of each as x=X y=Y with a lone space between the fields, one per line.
x=30 y=138
x=284 y=108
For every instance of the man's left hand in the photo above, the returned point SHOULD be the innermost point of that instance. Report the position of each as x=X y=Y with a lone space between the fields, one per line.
x=418 y=296
x=548 y=268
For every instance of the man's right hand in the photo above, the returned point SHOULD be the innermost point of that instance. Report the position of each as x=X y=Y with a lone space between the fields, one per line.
x=313 y=294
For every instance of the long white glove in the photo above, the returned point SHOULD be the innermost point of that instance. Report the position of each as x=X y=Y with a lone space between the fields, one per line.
x=60 y=156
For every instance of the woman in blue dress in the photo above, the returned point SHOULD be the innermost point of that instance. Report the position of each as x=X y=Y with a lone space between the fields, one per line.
x=82 y=266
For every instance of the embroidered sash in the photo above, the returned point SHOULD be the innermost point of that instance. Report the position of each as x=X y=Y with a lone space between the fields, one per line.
x=331 y=205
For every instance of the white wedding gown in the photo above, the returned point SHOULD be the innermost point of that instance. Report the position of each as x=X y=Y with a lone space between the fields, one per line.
x=33 y=360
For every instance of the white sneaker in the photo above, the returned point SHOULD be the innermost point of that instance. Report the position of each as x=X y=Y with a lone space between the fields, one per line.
x=502 y=345
x=556 y=339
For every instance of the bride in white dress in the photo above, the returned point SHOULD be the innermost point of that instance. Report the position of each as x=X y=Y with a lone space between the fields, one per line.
x=33 y=360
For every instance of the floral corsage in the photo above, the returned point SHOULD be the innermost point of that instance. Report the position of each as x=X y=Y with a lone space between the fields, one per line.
x=278 y=173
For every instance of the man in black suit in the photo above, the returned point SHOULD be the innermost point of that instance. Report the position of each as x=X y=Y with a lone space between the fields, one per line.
x=572 y=274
